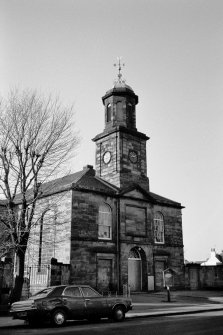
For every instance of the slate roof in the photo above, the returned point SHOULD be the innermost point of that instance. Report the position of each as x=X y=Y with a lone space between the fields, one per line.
x=90 y=182
x=56 y=185
x=164 y=201
x=85 y=180
x=81 y=180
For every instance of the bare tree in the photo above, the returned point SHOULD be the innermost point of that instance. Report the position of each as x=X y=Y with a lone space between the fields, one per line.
x=36 y=139
x=6 y=246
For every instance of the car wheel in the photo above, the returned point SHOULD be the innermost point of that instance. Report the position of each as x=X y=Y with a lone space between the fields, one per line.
x=119 y=313
x=59 y=318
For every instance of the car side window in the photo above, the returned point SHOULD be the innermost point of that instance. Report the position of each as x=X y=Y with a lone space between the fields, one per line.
x=57 y=291
x=89 y=292
x=72 y=292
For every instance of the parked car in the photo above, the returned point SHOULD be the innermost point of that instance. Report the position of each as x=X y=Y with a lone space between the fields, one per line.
x=70 y=302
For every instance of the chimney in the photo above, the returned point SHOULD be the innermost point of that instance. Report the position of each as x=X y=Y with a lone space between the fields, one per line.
x=86 y=167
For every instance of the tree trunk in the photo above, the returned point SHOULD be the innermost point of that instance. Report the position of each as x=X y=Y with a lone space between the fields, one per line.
x=17 y=289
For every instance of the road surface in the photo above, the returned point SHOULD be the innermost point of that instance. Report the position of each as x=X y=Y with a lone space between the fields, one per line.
x=208 y=323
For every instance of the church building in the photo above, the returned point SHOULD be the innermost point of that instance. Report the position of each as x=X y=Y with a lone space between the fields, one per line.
x=116 y=231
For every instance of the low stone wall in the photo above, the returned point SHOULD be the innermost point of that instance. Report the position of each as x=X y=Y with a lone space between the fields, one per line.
x=203 y=277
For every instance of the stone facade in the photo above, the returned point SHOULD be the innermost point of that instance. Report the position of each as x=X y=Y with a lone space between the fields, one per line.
x=86 y=248
x=120 y=169
x=132 y=228
x=51 y=232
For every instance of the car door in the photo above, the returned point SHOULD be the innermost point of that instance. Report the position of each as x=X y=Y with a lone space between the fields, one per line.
x=95 y=303
x=74 y=301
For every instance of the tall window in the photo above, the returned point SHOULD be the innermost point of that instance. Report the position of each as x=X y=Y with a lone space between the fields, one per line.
x=105 y=222
x=128 y=113
x=130 y=108
x=158 y=228
x=40 y=242
x=108 y=115
x=119 y=111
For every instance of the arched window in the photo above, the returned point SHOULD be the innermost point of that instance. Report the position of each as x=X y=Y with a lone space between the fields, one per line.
x=134 y=254
x=158 y=228
x=130 y=108
x=128 y=112
x=119 y=111
x=105 y=222
x=108 y=113
x=130 y=115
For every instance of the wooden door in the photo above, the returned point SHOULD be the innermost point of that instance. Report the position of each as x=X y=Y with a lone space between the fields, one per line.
x=135 y=274
x=104 y=274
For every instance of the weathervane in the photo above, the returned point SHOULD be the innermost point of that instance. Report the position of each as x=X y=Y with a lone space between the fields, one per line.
x=119 y=65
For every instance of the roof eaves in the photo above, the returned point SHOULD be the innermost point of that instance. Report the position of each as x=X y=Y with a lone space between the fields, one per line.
x=165 y=201
x=91 y=190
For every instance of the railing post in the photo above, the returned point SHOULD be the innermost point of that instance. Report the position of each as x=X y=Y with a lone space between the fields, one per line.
x=48 y=275
x=29 y=275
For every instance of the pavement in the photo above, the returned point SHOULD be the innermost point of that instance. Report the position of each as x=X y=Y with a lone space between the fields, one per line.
x=157 y=304
x=181 y=302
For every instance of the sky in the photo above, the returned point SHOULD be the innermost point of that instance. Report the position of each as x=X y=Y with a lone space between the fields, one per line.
x=173 y=55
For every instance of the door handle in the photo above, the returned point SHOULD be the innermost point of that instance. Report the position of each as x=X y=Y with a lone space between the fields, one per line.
x=87 y=299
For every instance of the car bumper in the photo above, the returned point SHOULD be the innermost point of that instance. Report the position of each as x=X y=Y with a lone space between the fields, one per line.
x=28 y=314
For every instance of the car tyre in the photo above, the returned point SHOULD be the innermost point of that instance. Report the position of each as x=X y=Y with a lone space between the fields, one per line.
x=58 y=318
x=118 y=314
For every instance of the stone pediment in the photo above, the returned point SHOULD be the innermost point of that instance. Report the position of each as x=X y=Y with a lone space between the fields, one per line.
x=136 y=194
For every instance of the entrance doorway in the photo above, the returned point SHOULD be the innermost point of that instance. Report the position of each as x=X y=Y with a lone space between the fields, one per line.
x=135 y=270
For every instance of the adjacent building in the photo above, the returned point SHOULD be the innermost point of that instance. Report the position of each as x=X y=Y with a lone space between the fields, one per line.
x=205 y=274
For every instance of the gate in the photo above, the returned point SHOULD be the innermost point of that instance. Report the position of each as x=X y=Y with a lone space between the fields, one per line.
x=36 y=278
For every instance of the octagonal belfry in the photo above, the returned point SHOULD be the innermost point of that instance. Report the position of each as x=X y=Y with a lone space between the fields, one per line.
x=120 y=148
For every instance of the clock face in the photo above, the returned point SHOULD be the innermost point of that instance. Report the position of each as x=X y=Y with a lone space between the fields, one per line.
x=107 y=157
x=133 y=157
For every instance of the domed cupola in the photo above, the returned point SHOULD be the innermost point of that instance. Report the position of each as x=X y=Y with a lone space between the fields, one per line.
x=120 y=102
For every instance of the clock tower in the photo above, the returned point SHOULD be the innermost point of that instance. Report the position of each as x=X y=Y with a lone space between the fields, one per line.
x=120 y=148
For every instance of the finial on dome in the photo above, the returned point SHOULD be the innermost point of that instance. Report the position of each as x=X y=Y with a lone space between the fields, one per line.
x=119 y=65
